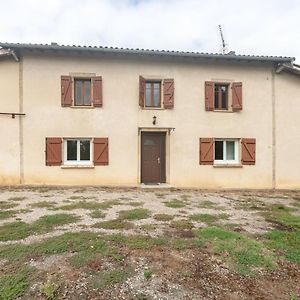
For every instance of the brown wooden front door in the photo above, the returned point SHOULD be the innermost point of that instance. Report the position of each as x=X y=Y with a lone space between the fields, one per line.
x=153 y=155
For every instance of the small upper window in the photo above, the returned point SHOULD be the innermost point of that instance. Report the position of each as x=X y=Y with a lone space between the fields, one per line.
x=226 y=152
x=153 y=94
x=82 y=92
x=77 y=151
x=221 y=96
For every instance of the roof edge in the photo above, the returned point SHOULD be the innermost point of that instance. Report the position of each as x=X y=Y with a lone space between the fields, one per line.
x=146 y=52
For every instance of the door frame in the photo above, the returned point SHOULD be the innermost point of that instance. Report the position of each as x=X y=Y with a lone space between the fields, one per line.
x=167 y=151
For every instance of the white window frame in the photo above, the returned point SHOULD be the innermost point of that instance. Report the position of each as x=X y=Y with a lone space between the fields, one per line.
x=78 y=161
x=224 y=161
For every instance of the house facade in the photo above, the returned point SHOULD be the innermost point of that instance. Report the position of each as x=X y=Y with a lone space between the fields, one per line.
x=72 y=115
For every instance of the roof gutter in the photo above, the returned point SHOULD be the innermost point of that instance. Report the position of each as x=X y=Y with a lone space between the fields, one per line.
x=295 y=69
x=9 y=52
x=147 y=52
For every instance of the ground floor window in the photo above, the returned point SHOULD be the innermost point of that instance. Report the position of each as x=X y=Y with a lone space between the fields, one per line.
x=77 y=152
x=226 y=151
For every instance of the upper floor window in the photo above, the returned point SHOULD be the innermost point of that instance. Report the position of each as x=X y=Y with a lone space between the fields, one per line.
x=153 y=94
x=82 y=92
x=156 y=93
x=221 y=96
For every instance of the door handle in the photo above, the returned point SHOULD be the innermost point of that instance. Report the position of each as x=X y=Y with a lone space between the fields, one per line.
x=158 y=160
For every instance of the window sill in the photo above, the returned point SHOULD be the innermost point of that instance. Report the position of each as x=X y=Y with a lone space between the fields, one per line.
x=153 y=108
x=77 y=167
x=82 y=107
x=227 y=166
x=223 y=110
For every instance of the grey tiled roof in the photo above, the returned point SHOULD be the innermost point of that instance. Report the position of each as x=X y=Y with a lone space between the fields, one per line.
x=146 y=52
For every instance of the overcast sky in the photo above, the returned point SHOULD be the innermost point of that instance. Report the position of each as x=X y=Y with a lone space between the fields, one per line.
x=263 y=27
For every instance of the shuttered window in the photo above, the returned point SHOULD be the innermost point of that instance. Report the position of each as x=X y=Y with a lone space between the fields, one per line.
x=215 y=151
x=156 y=93
x=223 y=96
x=76 y=151
x=81 y=91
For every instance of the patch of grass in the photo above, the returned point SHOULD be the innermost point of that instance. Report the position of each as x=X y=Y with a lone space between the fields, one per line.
x=97 y=214
x=242 y=253
x=285 y=243
x=175 y=203
x=181 y=224
x=280 y=215
x=135 y=203
x=5 y=214
x=15 y=285
x=17 y=198
x=207 y=218
x=160 y=195
x=148 y=274
x=67 y=242
x=206 y=204
x=110 y=278
x=83 y=258
x=7 y=205
x=278 y=207
x=49 y=289
x=182 y=244
x=148 y=227
x=19 y=230
x=43 y=204
x=135 y=214
x=114 y=224
x=90 y=205
x=143 y=242
x=163 y=217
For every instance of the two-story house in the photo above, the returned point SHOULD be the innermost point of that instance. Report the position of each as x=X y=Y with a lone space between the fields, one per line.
x=75 y=115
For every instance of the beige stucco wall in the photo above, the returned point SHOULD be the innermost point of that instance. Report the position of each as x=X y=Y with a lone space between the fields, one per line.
x=287 y=130
x=9 y=128
x=121 y=116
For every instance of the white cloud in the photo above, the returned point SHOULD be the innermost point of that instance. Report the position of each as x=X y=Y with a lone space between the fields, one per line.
x=269 y=27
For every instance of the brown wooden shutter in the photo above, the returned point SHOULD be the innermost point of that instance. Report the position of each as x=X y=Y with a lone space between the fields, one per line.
x=248 y=151
x=53 y=151
x=206 y=151
x=237 y=96
x=142 y=91
x=66 y=91
x=168 y=93
x=100 y=151
x=97 y=91
x=209 y=95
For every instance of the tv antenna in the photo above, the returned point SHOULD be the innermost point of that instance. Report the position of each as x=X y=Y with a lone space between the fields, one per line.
x=224 y=44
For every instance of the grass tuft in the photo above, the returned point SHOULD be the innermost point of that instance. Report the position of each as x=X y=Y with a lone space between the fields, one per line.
x=114 y=224
x=242 y=253
x=15 y=285
x=163 y=217
x=19 y=230
x=135 y=214
x=207 y=218
x=175 y=203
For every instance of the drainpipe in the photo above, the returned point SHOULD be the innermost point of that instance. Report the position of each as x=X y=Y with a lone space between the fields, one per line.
x=21 y=140
x=273 y=129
